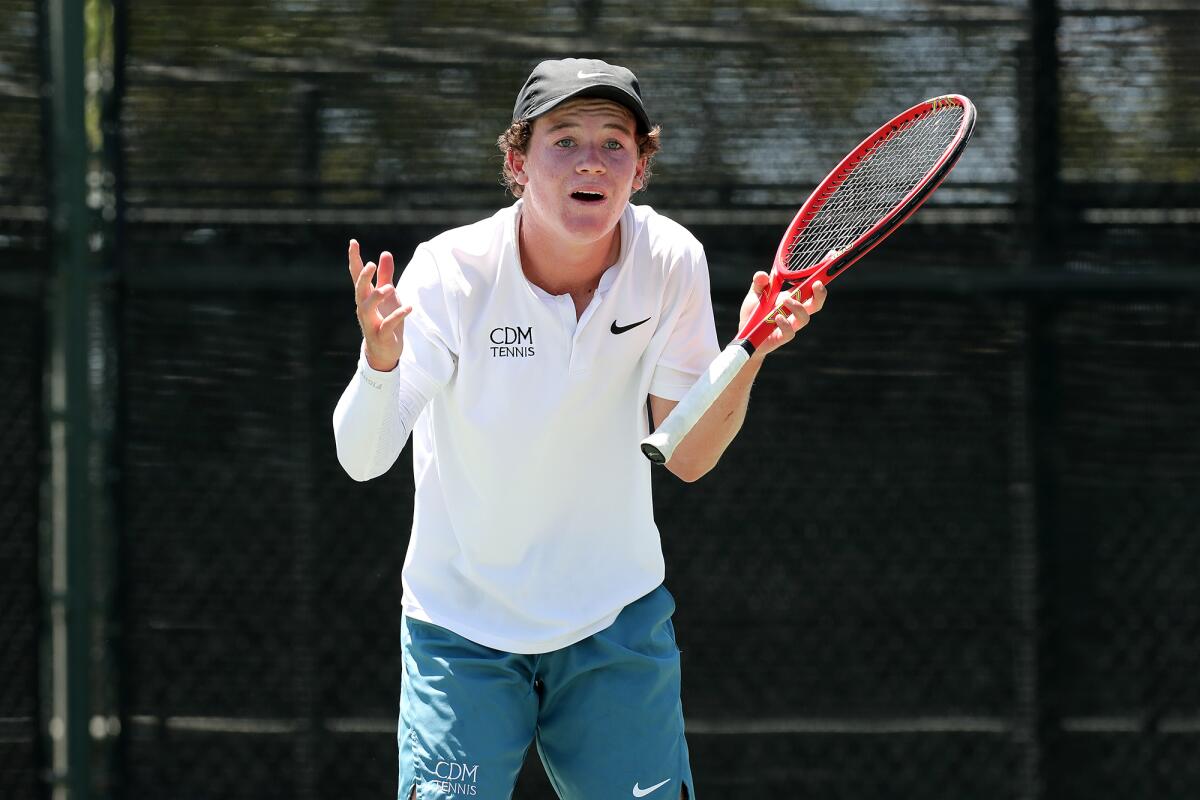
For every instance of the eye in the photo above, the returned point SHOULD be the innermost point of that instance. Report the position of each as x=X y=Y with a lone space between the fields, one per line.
x=566 y=142
x=613 y=144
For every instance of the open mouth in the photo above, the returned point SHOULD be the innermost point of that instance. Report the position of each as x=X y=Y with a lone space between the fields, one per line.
x=587 y=197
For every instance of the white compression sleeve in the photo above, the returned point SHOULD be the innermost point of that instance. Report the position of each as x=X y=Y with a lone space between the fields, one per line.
x=374 y=417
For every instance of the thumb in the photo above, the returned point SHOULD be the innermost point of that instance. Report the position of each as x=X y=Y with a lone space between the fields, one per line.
x=759 y=283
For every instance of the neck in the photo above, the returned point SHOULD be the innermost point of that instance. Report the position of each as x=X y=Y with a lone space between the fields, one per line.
x=565 y=267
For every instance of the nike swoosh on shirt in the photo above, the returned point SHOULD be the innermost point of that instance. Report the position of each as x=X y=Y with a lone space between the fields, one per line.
x=622 y=328
x=638 y=792
x=583 y=76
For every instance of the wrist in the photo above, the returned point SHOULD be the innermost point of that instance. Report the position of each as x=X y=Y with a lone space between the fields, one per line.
x=380 y=364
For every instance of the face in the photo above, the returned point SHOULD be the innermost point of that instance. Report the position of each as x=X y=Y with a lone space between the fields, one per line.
x=580 y=169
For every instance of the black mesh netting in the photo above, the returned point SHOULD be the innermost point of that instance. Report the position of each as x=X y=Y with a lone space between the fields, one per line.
x=1127 y=613
x=23 y=180
x=20 y=439
x=23 y=244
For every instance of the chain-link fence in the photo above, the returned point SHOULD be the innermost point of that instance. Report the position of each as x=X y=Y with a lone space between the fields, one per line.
x=985 y=581
x=22 y=262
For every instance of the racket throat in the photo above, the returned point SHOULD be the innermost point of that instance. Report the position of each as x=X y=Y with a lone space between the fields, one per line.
x=790 y=289
x=769 y=304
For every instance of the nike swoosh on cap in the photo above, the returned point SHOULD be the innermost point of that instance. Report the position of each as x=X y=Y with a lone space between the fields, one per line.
x=622 y=328
x=639 y=792
x=583 y=76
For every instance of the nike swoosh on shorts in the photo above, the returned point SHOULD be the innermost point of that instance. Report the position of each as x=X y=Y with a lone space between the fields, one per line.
x=639 y=792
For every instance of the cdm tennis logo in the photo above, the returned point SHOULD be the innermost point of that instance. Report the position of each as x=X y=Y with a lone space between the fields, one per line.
x=456 y=779
x=512 y=342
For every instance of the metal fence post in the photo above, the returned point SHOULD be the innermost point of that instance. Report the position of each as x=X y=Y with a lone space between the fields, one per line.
x=78 y=698
x=1040 y=196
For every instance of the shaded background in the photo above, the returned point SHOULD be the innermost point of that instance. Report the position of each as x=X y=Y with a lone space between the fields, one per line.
x=986 y=580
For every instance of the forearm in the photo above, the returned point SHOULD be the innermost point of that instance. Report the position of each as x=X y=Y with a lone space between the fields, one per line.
x=373 y=419
x=705 y=443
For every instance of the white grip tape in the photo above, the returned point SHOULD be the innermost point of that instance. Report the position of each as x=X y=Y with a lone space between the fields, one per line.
x=660 y=445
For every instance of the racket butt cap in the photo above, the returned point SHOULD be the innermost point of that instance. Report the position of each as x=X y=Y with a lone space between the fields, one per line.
x=651 y=452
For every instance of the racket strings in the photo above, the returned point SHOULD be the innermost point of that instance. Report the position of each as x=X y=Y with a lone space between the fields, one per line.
x=874 y=184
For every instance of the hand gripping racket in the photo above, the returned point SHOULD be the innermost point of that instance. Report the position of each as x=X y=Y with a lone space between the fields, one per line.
x=866 y=197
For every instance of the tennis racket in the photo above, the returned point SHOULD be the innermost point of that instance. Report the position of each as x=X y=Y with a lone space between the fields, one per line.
x=866 y=197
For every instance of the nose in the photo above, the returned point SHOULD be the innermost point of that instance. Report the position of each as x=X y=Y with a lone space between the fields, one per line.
x=590 y=161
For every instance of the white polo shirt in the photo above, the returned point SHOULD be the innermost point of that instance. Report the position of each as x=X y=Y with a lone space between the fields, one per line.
x=533 y=525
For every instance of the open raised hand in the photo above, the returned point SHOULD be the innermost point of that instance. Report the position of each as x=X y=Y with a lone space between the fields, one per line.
x=380 y=313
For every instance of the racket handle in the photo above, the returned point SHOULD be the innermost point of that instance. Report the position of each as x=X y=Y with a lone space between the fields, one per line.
x=660 y=445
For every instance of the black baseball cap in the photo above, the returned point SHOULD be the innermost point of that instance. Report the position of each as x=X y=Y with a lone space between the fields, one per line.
x=553 y=82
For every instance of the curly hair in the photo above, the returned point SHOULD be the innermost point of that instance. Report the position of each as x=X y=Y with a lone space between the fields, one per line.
x=516 y=139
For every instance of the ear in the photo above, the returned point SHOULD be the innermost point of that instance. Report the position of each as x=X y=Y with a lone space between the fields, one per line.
x=516 y=165
x=638 y=173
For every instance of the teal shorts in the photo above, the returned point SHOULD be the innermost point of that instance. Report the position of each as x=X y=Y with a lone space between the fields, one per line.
x=605 y=712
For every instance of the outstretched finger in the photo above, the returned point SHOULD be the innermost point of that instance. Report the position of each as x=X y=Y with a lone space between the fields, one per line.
x=362 y=284
x=393 y=321
x=377 y=296
x=355 y=259
x=386 y=268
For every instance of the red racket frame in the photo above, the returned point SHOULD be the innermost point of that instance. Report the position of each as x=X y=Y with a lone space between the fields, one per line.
x=759 y=327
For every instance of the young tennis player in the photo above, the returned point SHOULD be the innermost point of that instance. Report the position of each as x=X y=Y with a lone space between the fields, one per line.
x=521 y=353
